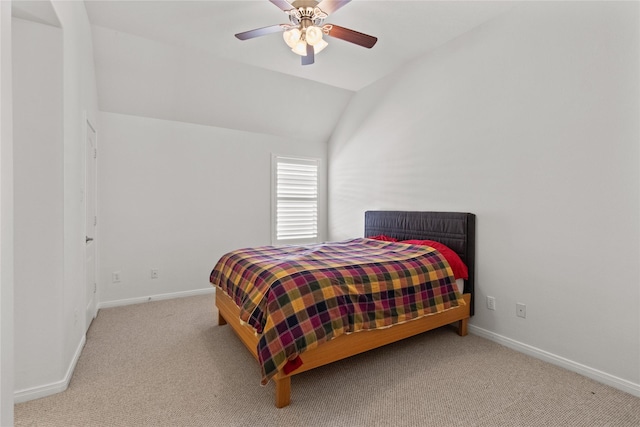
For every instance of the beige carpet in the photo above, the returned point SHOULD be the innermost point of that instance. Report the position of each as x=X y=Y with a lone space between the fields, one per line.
x=167 y=363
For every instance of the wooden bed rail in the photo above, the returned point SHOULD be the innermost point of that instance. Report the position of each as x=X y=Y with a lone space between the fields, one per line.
x=343 y=346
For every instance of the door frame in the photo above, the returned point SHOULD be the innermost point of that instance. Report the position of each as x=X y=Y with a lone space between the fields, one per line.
x=91 y=303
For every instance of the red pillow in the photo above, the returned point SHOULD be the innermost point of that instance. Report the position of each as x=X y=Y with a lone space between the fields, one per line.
x=460 y=270
x=383 y=238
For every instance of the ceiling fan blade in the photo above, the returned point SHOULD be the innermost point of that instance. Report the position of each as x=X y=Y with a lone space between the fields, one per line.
x=330 y=6
x=310 y=58
x=282 y=4
x=260 y=32
x=351 y=36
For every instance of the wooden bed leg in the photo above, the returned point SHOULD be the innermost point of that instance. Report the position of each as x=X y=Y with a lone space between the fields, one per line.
x=283 y=391
x=221 y=320
x=462 y=327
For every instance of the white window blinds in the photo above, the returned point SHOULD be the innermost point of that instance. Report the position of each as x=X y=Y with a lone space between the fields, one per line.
x=296 y=200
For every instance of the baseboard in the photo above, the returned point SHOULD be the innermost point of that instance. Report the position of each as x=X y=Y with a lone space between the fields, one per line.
x=32 y=393
x=157 y=297
x=594 y=374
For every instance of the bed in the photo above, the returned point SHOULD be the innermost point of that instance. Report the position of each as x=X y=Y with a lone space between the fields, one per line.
x=260 y=321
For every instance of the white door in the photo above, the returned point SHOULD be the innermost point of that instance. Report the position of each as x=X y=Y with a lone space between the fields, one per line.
x=91 y=222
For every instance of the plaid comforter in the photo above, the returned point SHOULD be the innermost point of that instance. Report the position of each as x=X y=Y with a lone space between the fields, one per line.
x=297 y=297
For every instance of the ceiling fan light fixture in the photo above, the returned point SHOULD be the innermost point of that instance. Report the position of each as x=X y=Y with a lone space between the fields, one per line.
x=292 y=37
x=313 y=35
x=304 y=34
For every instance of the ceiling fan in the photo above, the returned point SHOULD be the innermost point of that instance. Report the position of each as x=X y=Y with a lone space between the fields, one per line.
x=304 y=33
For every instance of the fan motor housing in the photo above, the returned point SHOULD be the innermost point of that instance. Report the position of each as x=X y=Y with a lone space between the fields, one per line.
x=304 y=4
x=306 y=16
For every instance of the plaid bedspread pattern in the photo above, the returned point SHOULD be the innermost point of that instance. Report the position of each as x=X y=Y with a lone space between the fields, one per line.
x=297 y=297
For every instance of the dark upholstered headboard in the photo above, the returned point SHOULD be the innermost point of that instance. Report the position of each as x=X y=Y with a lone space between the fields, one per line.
x=455 y=229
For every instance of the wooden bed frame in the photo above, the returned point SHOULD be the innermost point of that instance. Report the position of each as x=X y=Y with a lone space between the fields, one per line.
x=456 y=230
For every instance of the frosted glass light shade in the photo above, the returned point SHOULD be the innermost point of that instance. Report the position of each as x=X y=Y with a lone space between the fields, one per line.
x=291 y=37
x=313 y=35
x=318 y=47
x=300 y=48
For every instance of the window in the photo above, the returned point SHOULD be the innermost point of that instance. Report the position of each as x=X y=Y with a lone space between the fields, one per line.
x=295 y=200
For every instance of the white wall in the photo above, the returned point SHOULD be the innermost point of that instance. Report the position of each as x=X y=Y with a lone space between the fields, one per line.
x=51 y=309
x=38 y=202
x=184 y=158
x=6 y=219
x=80 y=102
x=175 y=197
x=530 y=122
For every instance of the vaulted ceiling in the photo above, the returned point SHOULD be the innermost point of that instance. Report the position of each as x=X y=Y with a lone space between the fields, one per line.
x=405 y=30
x=179 y=60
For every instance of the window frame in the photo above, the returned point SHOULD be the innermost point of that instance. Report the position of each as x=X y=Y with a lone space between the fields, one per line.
x=302 y=160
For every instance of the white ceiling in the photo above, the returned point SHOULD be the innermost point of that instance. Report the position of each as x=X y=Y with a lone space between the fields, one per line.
x=405 y=30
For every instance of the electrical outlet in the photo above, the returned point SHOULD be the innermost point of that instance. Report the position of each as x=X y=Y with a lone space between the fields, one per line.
x=521 y=310
x=491 y=303
x=115 y=277
x=154 y=273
